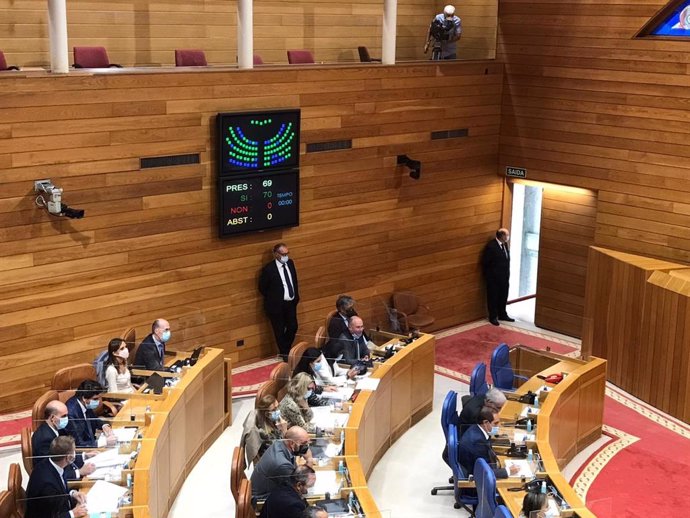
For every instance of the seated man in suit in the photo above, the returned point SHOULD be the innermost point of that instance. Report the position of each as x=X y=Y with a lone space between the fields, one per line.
x=475 y=444
x=151 y=350
x=56 y=420
x=83 y=422
x=278 y=462
x=494 y=400
x=350 y=347
x=47 y=495
x=287 y=501
x=339 y=322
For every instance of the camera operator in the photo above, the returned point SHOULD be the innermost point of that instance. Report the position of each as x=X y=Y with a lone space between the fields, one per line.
x=444 y=31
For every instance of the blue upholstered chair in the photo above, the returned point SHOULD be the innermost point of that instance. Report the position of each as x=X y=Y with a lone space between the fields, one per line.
x=485 y=481
x=448 y=415
x=502 y=371
x=464 y=497
x=502 y=512
x=478 y=385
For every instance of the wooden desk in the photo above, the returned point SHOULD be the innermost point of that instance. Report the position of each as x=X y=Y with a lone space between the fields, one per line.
x=569 y=420
x=180 y=428
x=404 y=396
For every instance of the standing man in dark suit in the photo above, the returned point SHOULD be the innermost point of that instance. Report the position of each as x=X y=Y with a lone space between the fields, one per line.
x=56 y=420
x=47 y=495
x=83 y=421
x=279 y=287
x=475 y=444
x=496 y=266
x=151 y=350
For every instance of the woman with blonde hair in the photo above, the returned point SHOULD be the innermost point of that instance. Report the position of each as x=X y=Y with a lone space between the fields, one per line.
x=294 y=407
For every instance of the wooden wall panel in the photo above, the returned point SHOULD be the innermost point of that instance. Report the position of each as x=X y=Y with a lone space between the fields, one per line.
x=141 y=33
x=587 y=105
x=567 y=230
x=638 y=318
x=147 y=247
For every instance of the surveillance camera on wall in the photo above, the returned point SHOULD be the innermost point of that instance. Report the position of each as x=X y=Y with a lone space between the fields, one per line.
x=54 y=204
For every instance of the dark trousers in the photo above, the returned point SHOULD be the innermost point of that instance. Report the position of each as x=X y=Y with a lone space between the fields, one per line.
x=496 y=297
x=284 y=324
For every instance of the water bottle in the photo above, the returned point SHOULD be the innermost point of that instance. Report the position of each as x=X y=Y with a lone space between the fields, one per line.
x=351 y=501
x=129 y=479
x=536 y=401
x=342 y=436
x=543 y=487
x=530 y=456
x=529 y=425
x=341 y=467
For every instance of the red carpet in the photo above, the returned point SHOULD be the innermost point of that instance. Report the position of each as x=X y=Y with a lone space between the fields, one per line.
x=10 y=427
x=247 y=379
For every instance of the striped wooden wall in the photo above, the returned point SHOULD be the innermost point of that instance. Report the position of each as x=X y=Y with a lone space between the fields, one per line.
x=638 y=318
x=567 y=230
x=140 y=32
x=586 y=105
x=147 y=247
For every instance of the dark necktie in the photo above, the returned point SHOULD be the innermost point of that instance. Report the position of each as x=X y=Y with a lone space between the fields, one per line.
x=505 y=250
x=88 y=426
x=291 y=290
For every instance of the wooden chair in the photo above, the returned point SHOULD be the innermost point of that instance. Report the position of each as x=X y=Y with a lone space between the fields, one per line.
x=269 y=387
x=364 y=56
x=130 y=336
x=257 y=60
x=14 y=486
x=244 y=507
x=411 y=313
x=7 y=509
x=27 y=450
x=190 y=58
x=237 y=473
x=3 y=63
x=37 y=413
x=92 y=57
x=69 y=378
x=281 y=375
x=300 y=57
x=296 y=354
x=321 y=337
x=327 y=322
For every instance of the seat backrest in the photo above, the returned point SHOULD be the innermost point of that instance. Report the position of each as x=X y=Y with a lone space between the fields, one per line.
x=90 y=57
x=405 y=301
x=295 y=354
x=269 y=387
x=69 y=378
x=130 y=337
x=7 y=509
x=244 y=507
x=190 y=58
x=40 y=406
x=501 y=369
x=237 y=473
x=14 y=486
x=364 y=56
x=327 y=322
x=300 y=56
x=448 y=411
x=502 y=512
x=485 y=481
x=257 y=60
x=281 y=374
x=321 y=337
x=478 y=385
x=27 y=449
x=3 y=61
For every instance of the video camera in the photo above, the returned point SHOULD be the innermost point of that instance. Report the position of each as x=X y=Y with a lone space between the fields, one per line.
x=441 y=30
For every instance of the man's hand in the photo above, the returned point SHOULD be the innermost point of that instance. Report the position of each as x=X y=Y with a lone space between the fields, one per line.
x=80 y=511
x=87 y=469
x=330 y=388
x=282 y=425
x=351 y=374
x=426 y=47
x=79 y=497
x=111 y=440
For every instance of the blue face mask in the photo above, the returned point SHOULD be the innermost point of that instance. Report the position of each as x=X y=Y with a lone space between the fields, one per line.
x=165 y=336
x=62 y=424
x=275 y=415
x=92 y=404
x=494 y=430
x=308 y=394
x=317 y=367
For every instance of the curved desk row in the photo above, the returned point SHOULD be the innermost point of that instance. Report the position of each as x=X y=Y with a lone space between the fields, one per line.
x=403 y=397
x=569 y=420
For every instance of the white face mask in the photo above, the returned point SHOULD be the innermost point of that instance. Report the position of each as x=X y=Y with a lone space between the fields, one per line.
x=124 y=353
x=284 y=259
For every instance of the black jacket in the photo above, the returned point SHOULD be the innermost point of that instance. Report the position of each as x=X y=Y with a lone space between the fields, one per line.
x=283 y=502
x=271 y=286
x=147 y=356
x=47 y=495
x=40 y=446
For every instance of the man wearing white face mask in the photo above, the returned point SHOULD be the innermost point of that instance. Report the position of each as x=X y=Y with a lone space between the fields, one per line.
x=56 y=420
x=152 y=348
x=475 y=444
x=83 y=422
x=279 y=287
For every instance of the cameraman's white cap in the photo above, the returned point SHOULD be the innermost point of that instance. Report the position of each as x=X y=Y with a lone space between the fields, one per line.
x=449 y=10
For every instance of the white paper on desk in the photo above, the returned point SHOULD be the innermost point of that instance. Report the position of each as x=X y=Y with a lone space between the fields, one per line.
x=106 y=473
x=324 y=418
x=326 y=482
x=103 y=497
x=109 y=458
x=333 y=449
x=523 y=464
x=528 y=411
x=521 y=438
x=342 y=394
x=368 y=384
x=125 y=434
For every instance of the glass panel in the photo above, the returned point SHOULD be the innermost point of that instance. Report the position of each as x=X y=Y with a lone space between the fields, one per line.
x=524 y=247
